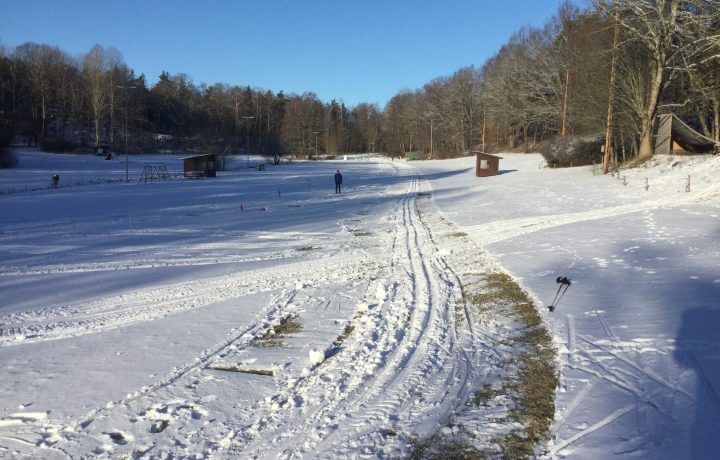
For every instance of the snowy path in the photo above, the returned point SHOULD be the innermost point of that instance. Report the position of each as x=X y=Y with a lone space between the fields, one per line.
x=494 y=232
x=403 y=368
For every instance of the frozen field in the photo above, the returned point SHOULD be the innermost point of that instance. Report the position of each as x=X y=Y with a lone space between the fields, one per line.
x=129 y=308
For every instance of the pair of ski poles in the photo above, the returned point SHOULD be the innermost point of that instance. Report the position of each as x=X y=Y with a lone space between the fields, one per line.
x=564 y=283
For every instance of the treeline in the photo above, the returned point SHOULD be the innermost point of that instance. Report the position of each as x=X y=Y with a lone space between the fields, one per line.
x=51 y=99
x=604 y=71
x=555 y=82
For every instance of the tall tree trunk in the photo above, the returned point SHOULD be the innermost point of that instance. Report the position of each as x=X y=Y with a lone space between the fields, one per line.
x=716 y=119
x=647 y=149
x=611 y=98
x=43 y=110
x=563 y=129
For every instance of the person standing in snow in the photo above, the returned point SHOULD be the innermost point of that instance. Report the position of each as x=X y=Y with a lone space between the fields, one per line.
x=338 y=182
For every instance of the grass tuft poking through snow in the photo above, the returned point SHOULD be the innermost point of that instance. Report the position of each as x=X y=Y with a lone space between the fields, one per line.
x=486 y=394
x=308 y=248
x=344 y=335
x=533 y=388
x=243 y=370
x=273 y=337
x=435 y=448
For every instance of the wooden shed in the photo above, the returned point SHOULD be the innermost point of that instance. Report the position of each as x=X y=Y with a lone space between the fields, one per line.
x=200 y=165
x=486 y=164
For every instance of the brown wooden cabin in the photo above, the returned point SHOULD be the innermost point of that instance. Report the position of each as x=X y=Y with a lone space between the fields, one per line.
x=200 y=166
x=486 y=164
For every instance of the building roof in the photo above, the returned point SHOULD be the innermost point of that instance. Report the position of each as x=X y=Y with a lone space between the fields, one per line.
x=204 y=155
x=488 y=155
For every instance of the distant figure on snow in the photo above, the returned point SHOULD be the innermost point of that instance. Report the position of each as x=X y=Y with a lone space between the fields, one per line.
x=338 y=182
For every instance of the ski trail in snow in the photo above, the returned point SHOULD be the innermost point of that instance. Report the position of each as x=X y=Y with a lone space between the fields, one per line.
x=575 y=403
x=647 y=372
x=571 y=341
x=86 y=428
x=147 y=305
x=413 y=371
x=596 y=426
x=606 y=327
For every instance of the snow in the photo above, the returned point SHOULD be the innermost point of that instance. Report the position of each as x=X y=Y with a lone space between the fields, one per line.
x=258 y=314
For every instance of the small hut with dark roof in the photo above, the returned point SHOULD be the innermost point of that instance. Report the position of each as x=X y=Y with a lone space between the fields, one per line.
x=486 y=164
x=200 y=165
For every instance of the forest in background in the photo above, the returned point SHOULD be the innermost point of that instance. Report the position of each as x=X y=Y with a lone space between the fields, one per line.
x=601 y=72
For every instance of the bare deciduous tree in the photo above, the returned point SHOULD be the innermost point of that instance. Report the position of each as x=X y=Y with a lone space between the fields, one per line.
x=673 y=35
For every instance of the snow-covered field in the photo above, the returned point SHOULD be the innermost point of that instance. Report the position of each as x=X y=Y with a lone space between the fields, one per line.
x=258 y=314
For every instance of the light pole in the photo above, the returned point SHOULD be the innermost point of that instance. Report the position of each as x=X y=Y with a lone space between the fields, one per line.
x=127 y=166
x=316 y=133
x=247 y=146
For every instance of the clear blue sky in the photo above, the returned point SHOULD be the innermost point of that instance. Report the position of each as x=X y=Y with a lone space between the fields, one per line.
x=357 y=51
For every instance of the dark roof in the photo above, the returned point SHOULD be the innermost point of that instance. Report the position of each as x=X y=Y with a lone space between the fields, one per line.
x=690 y=139
x=488 y=155
x=204 y=155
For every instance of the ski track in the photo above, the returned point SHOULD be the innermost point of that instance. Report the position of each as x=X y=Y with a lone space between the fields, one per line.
x=182 y=256
x=609 y=362
x=74 y=434
x=68 y=438
x=596 y=426
x=147 y=305
x=415 y=367
x=412 y=360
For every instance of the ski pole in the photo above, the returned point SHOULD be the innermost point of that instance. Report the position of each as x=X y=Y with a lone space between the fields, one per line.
x=564 y=283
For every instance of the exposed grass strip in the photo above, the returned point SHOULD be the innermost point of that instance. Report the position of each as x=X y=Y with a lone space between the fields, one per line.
x=533 y=387
x=530 y=389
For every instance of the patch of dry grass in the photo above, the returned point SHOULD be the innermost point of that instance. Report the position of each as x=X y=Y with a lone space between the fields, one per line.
x=273 y=337
x=307 y=248
x=436 y=448
x=242 y=370
x=486 y=394
x=533 y=387
x=344 y=335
